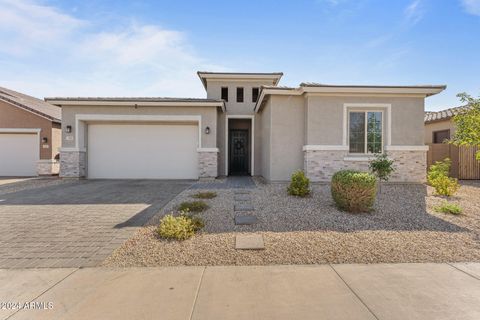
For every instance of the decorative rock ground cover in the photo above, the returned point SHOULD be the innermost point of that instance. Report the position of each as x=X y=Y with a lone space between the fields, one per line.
x=403 y=228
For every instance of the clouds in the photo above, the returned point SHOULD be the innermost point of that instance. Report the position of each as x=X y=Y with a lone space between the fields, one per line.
x=414 y=12
x=471 y=6
x=63 y=55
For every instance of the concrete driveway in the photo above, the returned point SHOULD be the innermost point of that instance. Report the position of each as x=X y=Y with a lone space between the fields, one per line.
x=75 y=223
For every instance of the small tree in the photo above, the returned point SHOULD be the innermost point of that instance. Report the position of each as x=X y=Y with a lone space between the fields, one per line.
x=382 y=167
x=468 y=123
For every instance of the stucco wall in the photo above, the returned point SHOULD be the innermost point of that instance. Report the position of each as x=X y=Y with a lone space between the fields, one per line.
x=265 y=145
x=325 y=118
x=14 y=117
x=234 y=107
x=437 y=126
x=208 y=114
x=287 y=136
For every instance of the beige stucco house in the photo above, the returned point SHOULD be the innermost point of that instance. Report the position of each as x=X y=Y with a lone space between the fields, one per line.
x=30 y=135
x=247 y=125
x=439 y=125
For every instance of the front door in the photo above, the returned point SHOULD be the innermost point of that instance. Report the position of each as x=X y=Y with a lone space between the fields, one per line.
x=238 y=152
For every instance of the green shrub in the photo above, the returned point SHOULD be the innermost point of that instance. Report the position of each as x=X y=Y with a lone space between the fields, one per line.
x=354 y=191
x=192 y=206
x=440 y=168
x=179 y=228
x=445 y=186
x=448 y=207
x=438 y=178
x=204 y=195
x=299 y=184
x=381 y=166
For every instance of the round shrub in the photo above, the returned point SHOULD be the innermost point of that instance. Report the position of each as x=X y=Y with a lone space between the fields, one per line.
x=354 y=191
x=299 y=184
x=179 y=228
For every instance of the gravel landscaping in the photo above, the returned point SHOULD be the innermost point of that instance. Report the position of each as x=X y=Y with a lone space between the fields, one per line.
x=403 y=228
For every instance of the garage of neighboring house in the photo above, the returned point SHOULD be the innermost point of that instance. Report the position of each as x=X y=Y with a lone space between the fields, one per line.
x=139 y=138
x=30 y=135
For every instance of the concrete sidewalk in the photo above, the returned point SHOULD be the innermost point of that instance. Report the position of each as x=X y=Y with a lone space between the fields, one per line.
x=384 y=291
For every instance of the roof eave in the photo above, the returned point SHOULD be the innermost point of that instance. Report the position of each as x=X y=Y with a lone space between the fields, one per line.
x=31 y=110
x=204 y=76
x=135 y=103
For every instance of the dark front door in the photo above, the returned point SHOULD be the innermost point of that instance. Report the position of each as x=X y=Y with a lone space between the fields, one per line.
x=238 y=153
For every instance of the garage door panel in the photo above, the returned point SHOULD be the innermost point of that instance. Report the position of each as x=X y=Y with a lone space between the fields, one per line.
x=118 y=151
x=18 y=154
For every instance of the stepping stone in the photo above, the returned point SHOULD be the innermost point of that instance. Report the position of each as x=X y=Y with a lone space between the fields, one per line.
x=249 y=242
x=243 y=206
x=242 y=197
x=245 y=220
x=241 y=191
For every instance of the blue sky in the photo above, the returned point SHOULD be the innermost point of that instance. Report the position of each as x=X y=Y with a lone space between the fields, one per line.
x=154 y=48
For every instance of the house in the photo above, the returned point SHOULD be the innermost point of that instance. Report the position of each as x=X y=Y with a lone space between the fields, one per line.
x=440 y=127
x=30 y=135
x=247 y=125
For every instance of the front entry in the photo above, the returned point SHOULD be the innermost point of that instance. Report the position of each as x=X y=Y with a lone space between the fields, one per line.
x=238 y=152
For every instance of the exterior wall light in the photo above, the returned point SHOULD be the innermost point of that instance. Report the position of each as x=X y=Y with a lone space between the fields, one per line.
x=207 y=130
x=44 y=140
x=68 y=129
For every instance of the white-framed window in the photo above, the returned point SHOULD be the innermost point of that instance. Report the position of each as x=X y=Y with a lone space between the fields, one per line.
x=365 y=131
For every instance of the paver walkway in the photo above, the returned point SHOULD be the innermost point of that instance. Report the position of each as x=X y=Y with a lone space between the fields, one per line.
x=373 y=292
x=231 y=182
x=78 y=223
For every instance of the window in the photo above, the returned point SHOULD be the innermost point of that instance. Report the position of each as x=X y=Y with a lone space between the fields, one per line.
x=441 y=136
x=239 y=94
x=225 y=93
x=365 y=132
x=254 y=94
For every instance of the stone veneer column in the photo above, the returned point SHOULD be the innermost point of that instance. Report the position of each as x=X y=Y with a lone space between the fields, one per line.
x=48 y=167
x=207 y=163
x=320 y=165
x=72 y=164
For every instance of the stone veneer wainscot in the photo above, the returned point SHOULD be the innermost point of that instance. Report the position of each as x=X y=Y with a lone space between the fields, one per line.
x=72 y=164
x=207 y=163
x=320 y=165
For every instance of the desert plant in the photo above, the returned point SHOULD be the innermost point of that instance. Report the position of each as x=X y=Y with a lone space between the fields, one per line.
x=204 y=195
x=438 y=178
x=354 y=191
x=381 y=166
x=440 y=168
x=192 y=206
x=299 y=184
x=179 y=228
x=445 y=186
x=448 y=207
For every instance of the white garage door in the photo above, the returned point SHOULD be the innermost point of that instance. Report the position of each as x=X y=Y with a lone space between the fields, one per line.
x=18 y=154
x=142 y=151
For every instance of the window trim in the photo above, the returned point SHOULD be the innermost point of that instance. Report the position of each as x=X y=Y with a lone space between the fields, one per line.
x=258 y=94
x=365 y=111
x=436 y=131
x=387 y=107
x=221 y=93
x=243 y=95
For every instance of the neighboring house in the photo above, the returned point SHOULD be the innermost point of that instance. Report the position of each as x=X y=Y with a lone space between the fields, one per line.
x=246 y=125
x=439 y=127
x=30 y=135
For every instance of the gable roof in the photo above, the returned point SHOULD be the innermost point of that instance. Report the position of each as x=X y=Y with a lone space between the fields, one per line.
x=447 y=114
x=31 y=104
x=273 y=76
